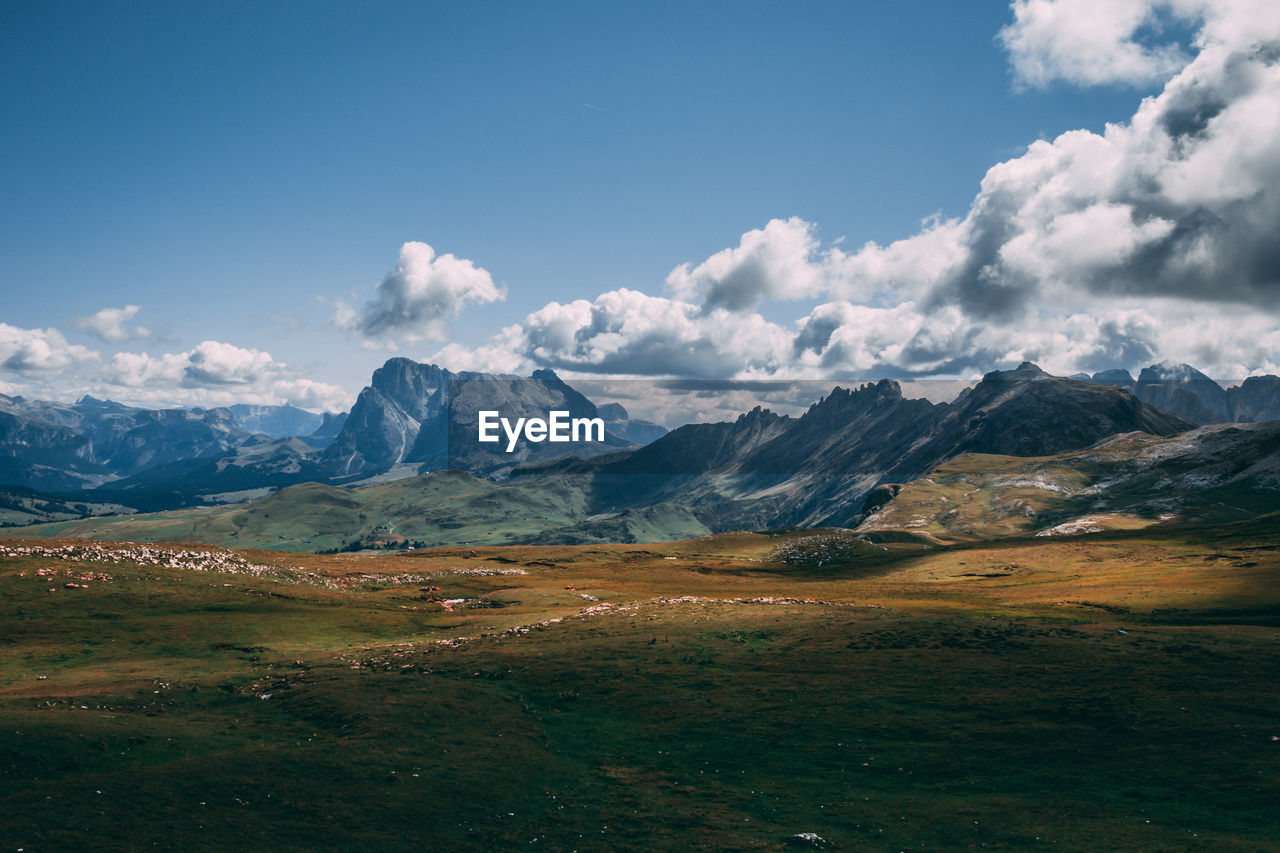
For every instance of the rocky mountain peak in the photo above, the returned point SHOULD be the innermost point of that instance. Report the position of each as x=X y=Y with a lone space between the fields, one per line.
x=1170 y=371
x=1027 y=371
x=1119 y=377
x=402 y=377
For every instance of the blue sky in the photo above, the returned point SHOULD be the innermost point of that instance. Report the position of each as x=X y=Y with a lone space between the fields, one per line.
x=243 y=173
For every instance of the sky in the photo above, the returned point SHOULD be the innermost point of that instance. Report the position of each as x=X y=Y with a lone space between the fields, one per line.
x=204 y=204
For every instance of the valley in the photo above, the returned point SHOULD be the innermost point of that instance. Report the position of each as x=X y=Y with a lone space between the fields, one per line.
x=738 y=691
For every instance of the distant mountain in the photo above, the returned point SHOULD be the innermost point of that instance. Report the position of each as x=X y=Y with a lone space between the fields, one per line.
x=1185 y=391
x=1188 y=393
x=38 y=453
x=92 y=444
x=251 y=469
x=421 y=415
x=618 y=422
x=387 y=419
x=765 y=470
x=277 y=421
x=1027 y=412
x=759 y=471
x=412 y=418
x=1256 y=399
x=56 y=446
x=330 y=425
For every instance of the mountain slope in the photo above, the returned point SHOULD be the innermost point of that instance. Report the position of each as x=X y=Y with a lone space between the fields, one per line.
x=768 y=471
x=412 y=418
x=760 y=471
x=388 y=417
x=277 y=421
x=1027 y=412
x=55 y=446
x=1221 y=472
x=425 y=416
x=443 y=508
x=1184 y=391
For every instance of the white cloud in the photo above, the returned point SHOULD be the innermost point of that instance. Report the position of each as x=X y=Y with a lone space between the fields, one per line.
x=1091 y=42
x=110 y=325
x=308 y=394
x=1071 y=246
x=25 y=351
x=417 y=300
x=214 y=373
x=902 y=270
x=626 y=332
x=41 y=364
x=218 y=363
x=1152 y=239
x=1182 y=200
x=1081 y=253
x=502 y=355
x=778 y=261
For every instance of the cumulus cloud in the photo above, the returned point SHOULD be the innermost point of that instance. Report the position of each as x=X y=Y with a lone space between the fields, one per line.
x=1091 y=42
x=218 y=363
x=111 y=325
x=1152 y=239
x=215 y=373
x=26 y=351
x=778 y=261
x=629 y=332
x=843 y=338
x=903 y=269
x=41 y=363
x=505 y=353
x=417 y=300
x=1181 y=200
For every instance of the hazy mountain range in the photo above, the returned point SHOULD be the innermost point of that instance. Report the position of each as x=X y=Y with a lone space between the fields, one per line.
x=412 y=418
x=766 y=470
x=861 y=456
x=1188 y=393
x=851 y=454
x=91 y=442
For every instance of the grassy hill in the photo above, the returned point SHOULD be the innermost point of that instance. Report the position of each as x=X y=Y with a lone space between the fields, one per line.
x=443 y=508
x=448 y=507
x=1214 y=474
x=729 y=692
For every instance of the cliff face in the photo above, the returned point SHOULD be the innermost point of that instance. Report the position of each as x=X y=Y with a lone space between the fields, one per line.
x=420 y=414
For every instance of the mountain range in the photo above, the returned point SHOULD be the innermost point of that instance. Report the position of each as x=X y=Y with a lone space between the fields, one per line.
x=1190 y=394
x=840 y=463
x=861 y=456
x=54 y=446
x=766 y=470
x=411 y=419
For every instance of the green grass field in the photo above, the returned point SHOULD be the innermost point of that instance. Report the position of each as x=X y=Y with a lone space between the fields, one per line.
x=1115 y=691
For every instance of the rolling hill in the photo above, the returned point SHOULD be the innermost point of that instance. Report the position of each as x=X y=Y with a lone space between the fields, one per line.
x=1218 y=473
